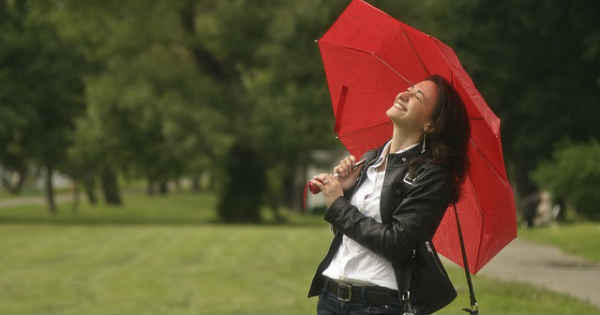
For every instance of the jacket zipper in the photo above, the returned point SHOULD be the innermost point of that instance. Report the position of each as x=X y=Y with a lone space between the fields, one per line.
x=436 y=259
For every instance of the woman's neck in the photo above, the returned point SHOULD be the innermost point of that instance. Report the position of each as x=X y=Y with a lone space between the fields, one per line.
x=402 y=139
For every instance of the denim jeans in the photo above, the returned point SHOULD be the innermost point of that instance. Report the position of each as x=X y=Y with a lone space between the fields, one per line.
x=329 y=305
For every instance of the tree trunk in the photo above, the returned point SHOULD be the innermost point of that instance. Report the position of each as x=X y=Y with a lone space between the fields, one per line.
x=196 y=183
x=300 y=186
x=293 y=183
x=150 y=187
x=89 y=185
x=212 y=182
x=76 y=194
x=110 y=187
x=562 y=214
x=50 y=190
x=22 y=176
x=288 y=187
x=524 y=188
x=163 y=187
x=242 y=196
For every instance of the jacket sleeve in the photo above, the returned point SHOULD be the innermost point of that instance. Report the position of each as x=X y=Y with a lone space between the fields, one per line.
x=415 y=218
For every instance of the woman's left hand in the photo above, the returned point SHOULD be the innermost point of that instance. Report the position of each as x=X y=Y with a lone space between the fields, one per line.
x=330 y=187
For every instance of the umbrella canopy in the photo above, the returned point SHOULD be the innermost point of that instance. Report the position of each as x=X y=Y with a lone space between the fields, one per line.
x=369 y=57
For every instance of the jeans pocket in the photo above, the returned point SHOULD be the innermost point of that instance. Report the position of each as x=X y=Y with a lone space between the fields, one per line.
x=325 y=306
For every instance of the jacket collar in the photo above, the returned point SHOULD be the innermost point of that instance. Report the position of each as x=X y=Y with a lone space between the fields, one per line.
x=398 y=159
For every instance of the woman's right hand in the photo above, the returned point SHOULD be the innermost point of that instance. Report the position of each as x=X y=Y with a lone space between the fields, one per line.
x=347 y=175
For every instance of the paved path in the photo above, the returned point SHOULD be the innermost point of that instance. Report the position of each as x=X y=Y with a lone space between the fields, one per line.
x=18 y=201
x=548 y=267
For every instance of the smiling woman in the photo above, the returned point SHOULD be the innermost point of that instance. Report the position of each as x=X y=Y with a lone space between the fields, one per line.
x=388 y=209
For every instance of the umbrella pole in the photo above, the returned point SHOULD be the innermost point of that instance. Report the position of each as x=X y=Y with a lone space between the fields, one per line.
x=474 y=310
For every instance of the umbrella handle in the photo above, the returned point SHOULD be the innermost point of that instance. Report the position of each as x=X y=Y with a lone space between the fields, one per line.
x=474 y=310
x=314 y=189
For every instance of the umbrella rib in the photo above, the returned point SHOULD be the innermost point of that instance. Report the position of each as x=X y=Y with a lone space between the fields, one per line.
x=478 y=203
x=414 y=50
x=476 y=262
x=489 y=162
x=347 y=47
x=379 y=59
x=391 y=68
x=437 y=43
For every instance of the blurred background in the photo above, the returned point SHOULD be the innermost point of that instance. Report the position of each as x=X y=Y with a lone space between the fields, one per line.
x=153 y=154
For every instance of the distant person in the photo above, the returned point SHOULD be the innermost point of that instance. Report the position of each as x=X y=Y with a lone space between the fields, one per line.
x=383 y=210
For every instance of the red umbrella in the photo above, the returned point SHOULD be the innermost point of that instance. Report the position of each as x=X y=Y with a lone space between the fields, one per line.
x=369 y=57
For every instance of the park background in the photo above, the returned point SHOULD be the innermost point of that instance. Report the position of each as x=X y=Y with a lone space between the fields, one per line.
x=153 y=153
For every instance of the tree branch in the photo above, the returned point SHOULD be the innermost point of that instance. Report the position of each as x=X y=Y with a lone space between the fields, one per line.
x=205 y=60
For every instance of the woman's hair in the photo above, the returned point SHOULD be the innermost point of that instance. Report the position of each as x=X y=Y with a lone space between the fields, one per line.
x=447 y=143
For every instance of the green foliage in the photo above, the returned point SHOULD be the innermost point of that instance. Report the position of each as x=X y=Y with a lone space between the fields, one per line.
x=41 y=79
x=41 y=91
x=537 y=65
x=573 y=174
x=150 y=113
x=169 y=86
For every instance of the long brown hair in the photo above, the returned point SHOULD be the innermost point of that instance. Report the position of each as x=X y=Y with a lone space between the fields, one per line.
x=447 y=143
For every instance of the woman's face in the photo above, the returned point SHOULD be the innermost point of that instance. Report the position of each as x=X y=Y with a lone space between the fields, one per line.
x=414 y=107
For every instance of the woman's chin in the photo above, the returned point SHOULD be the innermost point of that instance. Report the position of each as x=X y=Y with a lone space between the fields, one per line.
x=394 y=115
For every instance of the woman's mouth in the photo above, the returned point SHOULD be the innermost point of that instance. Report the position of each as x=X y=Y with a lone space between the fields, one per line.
x=399 y=106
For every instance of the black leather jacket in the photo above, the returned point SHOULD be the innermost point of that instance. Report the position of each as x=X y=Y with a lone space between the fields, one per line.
x=411 y=210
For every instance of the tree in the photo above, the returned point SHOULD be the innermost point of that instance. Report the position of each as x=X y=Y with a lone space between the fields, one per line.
x=573 y=175
x=42 y=92
x=151 y=110
x=537 y=64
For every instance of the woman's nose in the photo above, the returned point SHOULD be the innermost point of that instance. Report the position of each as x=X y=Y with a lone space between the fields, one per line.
x=403 y=96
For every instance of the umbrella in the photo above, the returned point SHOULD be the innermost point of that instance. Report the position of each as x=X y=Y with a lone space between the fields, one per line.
x=368 y=58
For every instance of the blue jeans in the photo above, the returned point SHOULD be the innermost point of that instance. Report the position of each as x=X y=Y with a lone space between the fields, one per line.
x=329 y=305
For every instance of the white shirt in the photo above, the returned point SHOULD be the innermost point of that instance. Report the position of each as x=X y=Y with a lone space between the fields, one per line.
x=354 y=263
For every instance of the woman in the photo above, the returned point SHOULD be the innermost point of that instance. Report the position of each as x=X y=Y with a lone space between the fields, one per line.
x=383 y=210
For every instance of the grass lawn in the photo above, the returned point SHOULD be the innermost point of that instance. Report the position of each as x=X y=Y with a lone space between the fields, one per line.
x=581 y=239
x=125 y=261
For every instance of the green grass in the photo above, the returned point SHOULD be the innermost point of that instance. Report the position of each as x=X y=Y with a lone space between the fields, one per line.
x=581 y=238
x=179 y=208
x=110 y=261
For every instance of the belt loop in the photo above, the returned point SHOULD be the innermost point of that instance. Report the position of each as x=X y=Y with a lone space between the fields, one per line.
x=363 y=295
x=325 y=283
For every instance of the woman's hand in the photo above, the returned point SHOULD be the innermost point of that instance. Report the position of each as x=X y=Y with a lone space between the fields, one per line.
x=330 y=187
x=346 y=175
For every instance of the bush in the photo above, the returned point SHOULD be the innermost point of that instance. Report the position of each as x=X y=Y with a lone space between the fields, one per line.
x=573 y=175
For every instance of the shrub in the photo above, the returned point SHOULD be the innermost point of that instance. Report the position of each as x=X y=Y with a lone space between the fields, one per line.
x=573 y=175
